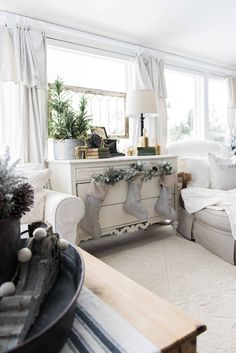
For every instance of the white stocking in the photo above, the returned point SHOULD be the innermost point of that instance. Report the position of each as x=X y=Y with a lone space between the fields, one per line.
x=164 y=202
x=95 y=196
x=133 y=203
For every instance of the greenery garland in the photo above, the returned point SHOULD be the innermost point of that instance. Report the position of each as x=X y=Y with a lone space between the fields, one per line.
x=112 y=176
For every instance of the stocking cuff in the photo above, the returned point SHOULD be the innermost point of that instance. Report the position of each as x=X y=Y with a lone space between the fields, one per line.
x=168 y=181
x=138 y=178
x=98 y=190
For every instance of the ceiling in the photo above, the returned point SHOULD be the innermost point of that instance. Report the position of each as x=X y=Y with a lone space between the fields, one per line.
x=204 y=29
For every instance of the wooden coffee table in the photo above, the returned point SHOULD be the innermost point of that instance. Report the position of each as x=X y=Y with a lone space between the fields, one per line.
x=162 y=323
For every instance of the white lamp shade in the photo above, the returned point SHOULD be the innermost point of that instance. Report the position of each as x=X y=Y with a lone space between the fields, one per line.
x=141 y=101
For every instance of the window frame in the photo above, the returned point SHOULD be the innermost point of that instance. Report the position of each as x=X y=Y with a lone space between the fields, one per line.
x=100 y=92
x=201 y=127
x=51 y=44
x=214 y=77
x=197 y=123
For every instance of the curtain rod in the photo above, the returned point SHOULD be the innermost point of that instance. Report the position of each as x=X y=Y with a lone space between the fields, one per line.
x=89 y=46
x=131 y=44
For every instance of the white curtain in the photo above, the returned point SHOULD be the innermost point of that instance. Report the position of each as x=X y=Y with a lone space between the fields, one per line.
x=148 y=73
x=23 y=90
x=231 y=88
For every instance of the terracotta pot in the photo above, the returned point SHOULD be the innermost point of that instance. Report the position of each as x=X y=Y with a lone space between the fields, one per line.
x=9 y=246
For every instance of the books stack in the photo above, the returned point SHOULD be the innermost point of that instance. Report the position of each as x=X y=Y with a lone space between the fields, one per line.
x=146 y=151
x=96 y=153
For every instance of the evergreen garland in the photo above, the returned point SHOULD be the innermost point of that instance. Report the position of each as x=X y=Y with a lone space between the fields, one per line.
x=165 y=168
x=112 y=176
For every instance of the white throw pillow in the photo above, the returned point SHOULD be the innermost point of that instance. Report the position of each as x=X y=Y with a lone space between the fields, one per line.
x=199 y=169
x=38 y=180
x=222 y=172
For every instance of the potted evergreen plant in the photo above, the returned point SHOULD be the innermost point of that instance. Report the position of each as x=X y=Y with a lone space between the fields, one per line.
x=66 y=126
x=16 y=198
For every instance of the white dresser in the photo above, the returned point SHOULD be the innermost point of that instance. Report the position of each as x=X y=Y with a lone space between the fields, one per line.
x=73 y=177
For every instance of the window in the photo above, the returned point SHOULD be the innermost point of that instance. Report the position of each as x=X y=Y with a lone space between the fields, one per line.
x=103 y=80
x=184 y=104
x=106 y=108
x=196 y=106
x=217 y=126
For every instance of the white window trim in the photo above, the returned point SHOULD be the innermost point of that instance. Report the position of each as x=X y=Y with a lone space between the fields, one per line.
x=200 y=128
x=206 y=105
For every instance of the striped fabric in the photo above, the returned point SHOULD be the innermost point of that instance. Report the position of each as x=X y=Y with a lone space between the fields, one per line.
x=97 y=328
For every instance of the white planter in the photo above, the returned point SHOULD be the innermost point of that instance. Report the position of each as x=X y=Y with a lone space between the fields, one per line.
x=65 y=149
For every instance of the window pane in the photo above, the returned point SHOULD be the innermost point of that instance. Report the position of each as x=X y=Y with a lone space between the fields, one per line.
x=106 y=109
x=217 y=109
x=103 y=80
x=184 y=104
x=86 y=70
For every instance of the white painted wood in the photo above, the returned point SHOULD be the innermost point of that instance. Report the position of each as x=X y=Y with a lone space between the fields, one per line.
x=74 y=176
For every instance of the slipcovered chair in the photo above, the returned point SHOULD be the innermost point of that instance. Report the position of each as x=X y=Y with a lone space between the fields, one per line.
x=62 y=211
x=209 y=227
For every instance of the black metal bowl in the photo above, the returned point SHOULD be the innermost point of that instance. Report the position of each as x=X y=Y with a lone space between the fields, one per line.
x=52 y=327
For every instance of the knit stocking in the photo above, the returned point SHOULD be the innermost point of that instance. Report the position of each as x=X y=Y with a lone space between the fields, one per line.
x=95 y=196
x=133 y=204
x=164 y=202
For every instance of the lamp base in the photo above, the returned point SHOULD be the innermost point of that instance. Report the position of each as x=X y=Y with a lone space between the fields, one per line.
x=143 y=141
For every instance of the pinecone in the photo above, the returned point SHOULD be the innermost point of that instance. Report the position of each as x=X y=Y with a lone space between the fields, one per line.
x=23 y=198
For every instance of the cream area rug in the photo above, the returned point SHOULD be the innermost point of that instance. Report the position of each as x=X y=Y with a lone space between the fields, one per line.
x=185 y=274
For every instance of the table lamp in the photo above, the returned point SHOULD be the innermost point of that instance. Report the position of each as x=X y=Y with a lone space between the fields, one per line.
x=141 y=101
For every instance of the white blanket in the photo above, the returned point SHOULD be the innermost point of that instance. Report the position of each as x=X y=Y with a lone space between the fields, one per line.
x=195 y=199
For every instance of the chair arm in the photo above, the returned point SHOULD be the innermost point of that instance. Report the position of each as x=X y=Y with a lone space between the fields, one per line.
x=63 y=212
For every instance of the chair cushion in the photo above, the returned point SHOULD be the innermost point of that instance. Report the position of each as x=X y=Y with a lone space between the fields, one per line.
x=199 y=169
x=215 y=219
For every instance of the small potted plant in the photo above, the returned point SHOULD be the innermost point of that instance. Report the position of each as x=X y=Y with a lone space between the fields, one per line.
x=66 y=126
x=16 y=198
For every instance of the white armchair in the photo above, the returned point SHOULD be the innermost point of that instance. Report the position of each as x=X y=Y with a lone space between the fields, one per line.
x=63 y=212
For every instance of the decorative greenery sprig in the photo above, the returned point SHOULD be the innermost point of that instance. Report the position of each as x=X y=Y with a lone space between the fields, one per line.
x=165 y=168
x=112 y=176
x=16 y=196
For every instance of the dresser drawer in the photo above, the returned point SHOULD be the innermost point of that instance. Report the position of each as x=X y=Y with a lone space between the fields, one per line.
x=85 y=174
x=112 y=216
x=118 y=192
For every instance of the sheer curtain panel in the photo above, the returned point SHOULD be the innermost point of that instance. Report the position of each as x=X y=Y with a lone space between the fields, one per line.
x=23 y=89
x=231 y=88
